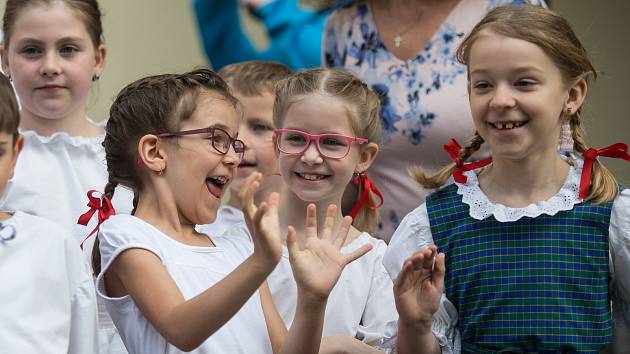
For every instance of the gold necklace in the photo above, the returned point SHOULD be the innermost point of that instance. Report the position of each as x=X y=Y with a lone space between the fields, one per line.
x=398 y=37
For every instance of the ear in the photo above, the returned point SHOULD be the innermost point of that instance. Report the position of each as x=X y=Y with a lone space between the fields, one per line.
x=150 y=153
x=99 y=67
x=576 y=95
x=368 y=154
x=17 y=148
x=5 y=61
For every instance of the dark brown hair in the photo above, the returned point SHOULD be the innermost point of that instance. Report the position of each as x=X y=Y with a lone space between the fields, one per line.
x=150 y=105
x=88 y=10
x=554 y=35
x=251 y=78
x=9 y=112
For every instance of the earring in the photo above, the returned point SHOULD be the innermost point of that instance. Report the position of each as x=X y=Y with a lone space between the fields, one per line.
x=9 y=77
x=95 y=77
x=161 y=171
x=569 y=110
x=566 y=137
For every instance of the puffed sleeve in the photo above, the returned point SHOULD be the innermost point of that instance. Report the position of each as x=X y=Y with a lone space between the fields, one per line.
x=380 y=308
x=619 y=238
x=413 y=234
x=83 y=323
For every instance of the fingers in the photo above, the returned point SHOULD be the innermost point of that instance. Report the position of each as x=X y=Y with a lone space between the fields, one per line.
x=342 y=234
x=405 y=273
x=311 y=221
x=246 y=195
x=440 y=271
x=351 y=257
x=329 y=222
x=292 y=245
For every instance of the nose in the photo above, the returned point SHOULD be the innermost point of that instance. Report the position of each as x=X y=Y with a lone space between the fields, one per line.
x=50 y=67
x=232 y=158
x=503 y=98
x=311 y=155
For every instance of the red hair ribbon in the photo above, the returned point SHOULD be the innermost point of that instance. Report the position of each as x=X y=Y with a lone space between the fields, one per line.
x=618 y=151
x=104 y=207
x=453 y=149
x=364 y=195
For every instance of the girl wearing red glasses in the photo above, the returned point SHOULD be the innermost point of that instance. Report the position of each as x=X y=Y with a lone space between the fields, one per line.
x=328 y=129
x=169 y=289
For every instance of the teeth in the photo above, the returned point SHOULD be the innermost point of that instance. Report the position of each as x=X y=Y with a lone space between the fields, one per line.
x=504 y=126
x=219 y=179
x=311 y=177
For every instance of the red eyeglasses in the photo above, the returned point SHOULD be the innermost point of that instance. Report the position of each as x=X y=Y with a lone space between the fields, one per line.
x=220 y=139
x=332 y=146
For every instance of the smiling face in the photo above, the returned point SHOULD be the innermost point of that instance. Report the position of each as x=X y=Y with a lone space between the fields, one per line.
x=52 y=59
x=517 y=95
x=196 y=172
x=256 y=131
x=310 y=176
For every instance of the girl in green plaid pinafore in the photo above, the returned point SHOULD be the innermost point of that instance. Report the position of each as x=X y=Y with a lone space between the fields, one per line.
x=534 y=244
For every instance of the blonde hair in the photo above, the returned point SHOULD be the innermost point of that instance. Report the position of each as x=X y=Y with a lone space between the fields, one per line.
x=556 y=38
x=363 y=107
x=252 y=78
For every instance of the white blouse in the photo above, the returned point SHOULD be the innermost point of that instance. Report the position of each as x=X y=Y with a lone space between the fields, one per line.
x=414 y=233
x=360 y=305
x=47 y=295
x=194 y=269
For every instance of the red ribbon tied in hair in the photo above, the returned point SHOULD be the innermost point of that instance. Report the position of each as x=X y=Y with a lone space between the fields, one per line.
x=104 y=207
x=453 y=149
x=618 y=151
x=364 y=195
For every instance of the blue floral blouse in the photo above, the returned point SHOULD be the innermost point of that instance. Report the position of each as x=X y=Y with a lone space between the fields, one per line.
x=424 y=99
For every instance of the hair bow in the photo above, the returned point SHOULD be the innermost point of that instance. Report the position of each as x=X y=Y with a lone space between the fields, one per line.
x=104 y=207
x=618 y=150
x=453 y=148
x=364 y=195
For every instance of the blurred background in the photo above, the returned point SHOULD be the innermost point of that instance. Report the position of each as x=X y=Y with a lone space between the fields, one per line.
x=147 y=37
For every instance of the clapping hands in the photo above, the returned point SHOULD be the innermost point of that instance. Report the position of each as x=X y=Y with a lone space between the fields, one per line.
x=262 y=220
x=318 y=264
x=419 y=287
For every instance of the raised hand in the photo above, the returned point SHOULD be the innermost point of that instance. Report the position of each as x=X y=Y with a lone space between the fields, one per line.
x=262 y=221
x=419 y=287
x=318 y=266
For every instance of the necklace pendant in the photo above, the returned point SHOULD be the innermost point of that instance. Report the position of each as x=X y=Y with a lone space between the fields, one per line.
x=397 y=40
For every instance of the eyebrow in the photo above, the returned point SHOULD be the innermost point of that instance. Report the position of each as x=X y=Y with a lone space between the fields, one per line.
x=517 y=70
x=67 y=39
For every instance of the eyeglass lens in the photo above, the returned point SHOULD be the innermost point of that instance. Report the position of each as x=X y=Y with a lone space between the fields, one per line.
x=329 y=145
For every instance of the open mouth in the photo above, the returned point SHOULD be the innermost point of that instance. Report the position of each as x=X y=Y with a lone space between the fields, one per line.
x=507 y=125
x=245 y=164
x=216 y=185
x=311 y=177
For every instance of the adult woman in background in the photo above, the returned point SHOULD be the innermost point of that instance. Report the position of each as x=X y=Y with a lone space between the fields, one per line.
x=405 y=49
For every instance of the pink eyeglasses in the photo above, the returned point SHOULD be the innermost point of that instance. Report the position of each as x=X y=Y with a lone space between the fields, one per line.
x=332 y=146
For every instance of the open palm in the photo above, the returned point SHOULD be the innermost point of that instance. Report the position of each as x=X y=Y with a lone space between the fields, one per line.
x=419 y=286
x=318 y=266
x=262 y=221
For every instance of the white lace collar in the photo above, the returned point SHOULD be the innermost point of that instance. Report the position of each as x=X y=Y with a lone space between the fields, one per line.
x=481 y=208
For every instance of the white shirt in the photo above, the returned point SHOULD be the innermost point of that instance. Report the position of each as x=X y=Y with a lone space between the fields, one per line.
x=414 y=233
x=47 y=295
x=194 y=270
x=227 y=216
x=361 y=303
x=52 y=177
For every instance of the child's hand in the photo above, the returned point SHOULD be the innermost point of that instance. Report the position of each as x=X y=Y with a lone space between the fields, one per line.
x=317 y=267
x=419 y=287
x=262 y=221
